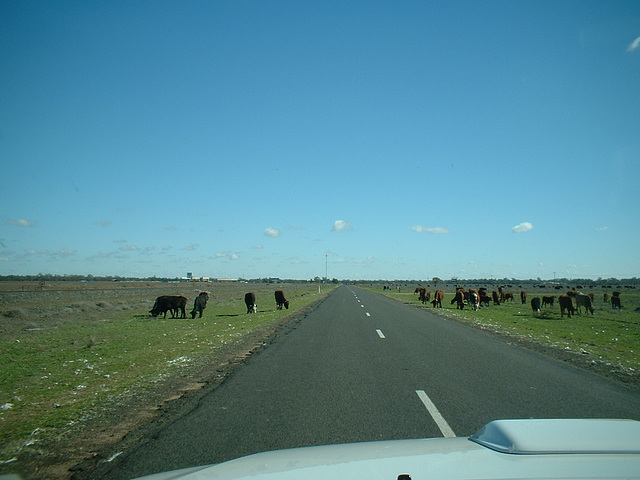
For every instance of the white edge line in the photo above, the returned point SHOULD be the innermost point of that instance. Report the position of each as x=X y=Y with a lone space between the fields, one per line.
x=444 y=427
x=368 y=314
x=380 y=334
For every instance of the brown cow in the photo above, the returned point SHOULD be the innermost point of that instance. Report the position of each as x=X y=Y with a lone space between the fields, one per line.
x=458 y=299
x=424 y=294
x=584 y=301
x=523 y=297
x=566 y=304
x=438 y=297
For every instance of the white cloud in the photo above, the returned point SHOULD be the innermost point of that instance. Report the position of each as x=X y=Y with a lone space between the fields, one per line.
x=129 y=248
x=271 y=232
x=230 y=256
x=258 y=247
x=634 y=45
x=434 y=230
x=600 y=229
x=23 y=222
x=191 y=246
x=340 y=226
x=102 y=223
x=523 y=227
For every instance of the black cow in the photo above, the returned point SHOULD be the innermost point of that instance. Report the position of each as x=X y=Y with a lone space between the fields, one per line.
x=548 y=300
x=199 y=304
x=250 y=301
x=485 y=300
x=424 y=295
x=166 y=303
x=535 y=304
x=280 y=300
x=615 y=302
x=496 y=298
x=566 y=304
x=474 y=299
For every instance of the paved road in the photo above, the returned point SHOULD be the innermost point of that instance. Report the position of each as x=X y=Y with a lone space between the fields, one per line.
x=364 y=367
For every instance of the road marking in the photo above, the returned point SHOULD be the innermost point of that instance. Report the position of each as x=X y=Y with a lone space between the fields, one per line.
x=368 y=314
x=361 y=306
x=444 y=427
x=380 y=334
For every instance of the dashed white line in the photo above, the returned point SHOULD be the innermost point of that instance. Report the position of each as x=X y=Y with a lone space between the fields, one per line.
x=361 y=306
x=380 y=334
x=444 y=427
x=368 y=314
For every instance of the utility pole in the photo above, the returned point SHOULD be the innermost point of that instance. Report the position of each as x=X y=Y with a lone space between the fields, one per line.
x=326 y=268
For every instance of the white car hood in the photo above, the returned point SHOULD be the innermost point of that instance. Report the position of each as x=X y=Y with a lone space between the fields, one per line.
x=492 y=453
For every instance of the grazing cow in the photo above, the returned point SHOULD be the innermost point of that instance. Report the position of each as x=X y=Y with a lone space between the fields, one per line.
x=199 y=304
x=423 y=295
x=496 y=298
x=548 y=301
x=250 y=301
x=535 y=305
x=438 y=297
x=170 y=303
x=485 y=300
x=458 y=299
x=606 y=297
x=584 y=301
x=280 y=300
x=507 y=296
x=474 y=299
x=523 y=297
x=615 y=302
x=566 y=304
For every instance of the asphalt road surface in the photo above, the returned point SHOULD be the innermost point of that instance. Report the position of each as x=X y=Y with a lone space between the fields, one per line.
x=364 y=367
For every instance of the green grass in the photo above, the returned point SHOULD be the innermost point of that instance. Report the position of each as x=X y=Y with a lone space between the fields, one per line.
x=49 y=377
x=609 y=336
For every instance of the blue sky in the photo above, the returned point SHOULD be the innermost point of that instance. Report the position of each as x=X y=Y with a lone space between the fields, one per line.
x=376 y=140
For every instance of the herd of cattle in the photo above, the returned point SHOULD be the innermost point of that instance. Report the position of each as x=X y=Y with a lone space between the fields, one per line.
x=571 y=302
x=177 y=304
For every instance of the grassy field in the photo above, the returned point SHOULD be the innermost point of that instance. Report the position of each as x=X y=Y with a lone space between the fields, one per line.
x=66 y=349
x=609 y=338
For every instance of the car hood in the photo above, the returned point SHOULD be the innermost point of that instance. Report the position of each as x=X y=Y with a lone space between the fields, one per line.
x=506 y=449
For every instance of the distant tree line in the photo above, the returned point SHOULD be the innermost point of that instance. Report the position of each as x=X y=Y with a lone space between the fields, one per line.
x=587 y=282
x=52 y=277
